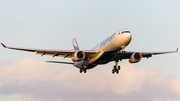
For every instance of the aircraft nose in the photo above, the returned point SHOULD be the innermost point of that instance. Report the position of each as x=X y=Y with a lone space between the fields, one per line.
x=128 y=36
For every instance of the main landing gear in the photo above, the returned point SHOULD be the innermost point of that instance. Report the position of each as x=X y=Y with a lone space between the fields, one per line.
x=83 y=69
x=116 y=68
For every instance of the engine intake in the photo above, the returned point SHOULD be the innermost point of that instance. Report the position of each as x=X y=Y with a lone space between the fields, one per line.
x=78 y=56
x=135 y=57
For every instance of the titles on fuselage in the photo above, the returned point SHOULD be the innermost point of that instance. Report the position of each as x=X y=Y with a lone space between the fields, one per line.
x=107 y=40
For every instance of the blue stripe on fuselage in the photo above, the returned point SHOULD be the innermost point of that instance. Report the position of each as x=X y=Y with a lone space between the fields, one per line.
x=104 y=58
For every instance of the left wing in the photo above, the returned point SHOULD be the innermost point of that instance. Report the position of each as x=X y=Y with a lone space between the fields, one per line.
x=128 y=54
x=59 y=53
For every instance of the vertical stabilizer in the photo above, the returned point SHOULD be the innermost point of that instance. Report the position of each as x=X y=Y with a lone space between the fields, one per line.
x=75 y=45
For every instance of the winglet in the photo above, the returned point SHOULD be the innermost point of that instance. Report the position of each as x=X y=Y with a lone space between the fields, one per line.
x=3 y=45
x=177 y=49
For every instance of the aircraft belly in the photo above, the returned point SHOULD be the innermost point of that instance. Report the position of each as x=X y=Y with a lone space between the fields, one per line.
x=104 y=58
x=80 y=63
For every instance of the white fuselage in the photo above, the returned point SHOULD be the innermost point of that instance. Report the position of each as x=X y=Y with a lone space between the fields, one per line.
x=110 y=45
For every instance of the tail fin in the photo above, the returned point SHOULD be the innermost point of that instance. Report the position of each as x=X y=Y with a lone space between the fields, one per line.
x=75 y=45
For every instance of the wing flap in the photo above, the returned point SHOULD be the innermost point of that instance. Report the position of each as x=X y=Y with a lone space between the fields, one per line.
x=65 y=55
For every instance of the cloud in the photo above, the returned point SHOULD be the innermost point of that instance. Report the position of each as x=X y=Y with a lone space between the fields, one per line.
x=164 y=99
x=17 y=97
x=32 y=78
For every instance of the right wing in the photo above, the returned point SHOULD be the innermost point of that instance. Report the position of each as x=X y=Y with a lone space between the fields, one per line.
x=128 y=54
x=59 y=53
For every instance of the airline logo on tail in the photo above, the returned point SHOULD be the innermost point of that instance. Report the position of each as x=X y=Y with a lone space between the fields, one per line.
x=75 y=45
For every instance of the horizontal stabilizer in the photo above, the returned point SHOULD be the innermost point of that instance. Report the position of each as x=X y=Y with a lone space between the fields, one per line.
x=61 y=62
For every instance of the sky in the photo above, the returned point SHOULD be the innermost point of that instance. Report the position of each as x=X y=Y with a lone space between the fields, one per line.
x=45 y=24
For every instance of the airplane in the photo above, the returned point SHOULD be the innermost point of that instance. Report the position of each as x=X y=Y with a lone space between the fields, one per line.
x=110 y=49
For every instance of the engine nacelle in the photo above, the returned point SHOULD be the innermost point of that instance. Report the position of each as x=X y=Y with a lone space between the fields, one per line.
x=78 y=56
x=135 y=57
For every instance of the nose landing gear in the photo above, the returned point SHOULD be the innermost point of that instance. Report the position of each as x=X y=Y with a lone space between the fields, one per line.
x=123 y=47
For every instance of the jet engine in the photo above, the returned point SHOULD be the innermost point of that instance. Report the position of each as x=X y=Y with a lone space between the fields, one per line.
x=78 y=56
x=135 y=57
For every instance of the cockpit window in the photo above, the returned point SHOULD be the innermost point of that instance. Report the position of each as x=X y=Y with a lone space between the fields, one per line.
x=125 y=32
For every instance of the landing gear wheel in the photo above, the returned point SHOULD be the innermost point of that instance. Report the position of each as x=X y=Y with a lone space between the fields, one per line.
x=84 y=70
x=118 y=68
x=113 y=71
x=117 y=71
x=80 y=70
